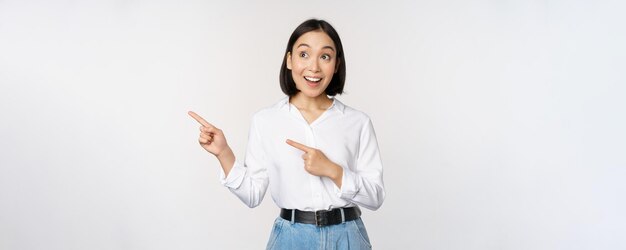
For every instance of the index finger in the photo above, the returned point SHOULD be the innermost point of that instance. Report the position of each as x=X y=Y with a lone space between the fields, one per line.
x=299 y=146
x=199 y=119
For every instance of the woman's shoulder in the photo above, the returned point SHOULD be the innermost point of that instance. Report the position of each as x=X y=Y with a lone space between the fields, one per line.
x=351 y=112
x=269 y=111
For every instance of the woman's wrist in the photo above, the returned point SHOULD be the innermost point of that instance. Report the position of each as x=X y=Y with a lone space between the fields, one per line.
x=226 y=159
x=336 y=174
x=225 y=153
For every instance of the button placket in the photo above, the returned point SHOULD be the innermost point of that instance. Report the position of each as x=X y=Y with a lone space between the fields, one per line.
x=315 y=181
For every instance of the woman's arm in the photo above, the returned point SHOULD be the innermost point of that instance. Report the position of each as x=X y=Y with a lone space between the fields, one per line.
x=248 y=180
x=363 y=184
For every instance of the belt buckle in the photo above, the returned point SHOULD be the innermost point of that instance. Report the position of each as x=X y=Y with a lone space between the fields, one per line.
x=317 y=219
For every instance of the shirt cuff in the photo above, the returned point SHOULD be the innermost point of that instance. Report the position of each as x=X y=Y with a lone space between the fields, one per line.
x=235 y=176
x=349 y=185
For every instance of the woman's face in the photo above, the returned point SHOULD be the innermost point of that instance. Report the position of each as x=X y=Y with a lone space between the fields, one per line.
x=312 y=62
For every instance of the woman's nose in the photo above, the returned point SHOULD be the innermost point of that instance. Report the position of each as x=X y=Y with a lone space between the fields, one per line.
x=314 y=66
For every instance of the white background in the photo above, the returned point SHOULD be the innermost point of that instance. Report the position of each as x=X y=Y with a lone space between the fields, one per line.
x=501 y=123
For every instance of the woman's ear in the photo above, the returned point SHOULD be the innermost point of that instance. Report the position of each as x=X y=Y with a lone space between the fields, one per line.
x=337 y=66
x=288 y=60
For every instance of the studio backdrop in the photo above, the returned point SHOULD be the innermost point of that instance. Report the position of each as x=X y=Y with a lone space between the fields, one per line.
x=500 y=123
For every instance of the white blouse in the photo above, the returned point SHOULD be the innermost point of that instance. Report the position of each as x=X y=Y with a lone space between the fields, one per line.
x=345 y=135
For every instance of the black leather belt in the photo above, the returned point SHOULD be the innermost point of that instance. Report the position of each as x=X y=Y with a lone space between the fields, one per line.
x=322 y=217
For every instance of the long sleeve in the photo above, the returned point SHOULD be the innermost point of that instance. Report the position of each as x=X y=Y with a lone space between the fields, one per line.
x=249 y=181
x=364 y=186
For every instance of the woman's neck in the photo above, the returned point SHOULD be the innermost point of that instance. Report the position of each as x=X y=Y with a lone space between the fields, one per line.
x=301 y=101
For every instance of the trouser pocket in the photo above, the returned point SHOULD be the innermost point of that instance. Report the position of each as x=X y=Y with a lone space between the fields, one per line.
x=276 y=229
x=361 y=232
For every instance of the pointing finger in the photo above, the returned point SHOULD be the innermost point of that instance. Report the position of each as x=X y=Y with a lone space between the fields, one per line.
x=199 y=119
x=299 y=146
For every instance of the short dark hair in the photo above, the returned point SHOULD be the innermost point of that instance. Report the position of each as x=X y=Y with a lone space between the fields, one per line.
x=336 y=84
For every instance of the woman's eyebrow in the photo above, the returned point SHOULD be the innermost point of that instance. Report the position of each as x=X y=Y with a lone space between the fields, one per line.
x=303 y=44
x=325 y=47
x=329 y=47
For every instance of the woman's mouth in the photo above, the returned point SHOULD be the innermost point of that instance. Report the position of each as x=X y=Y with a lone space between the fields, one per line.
x=312 y=81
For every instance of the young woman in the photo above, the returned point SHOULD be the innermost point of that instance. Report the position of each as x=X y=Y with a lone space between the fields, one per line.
x=319 y=157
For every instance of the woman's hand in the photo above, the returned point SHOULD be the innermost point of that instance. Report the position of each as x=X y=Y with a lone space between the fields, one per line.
x=316 y=163
x=213 y=141
x=211 y=138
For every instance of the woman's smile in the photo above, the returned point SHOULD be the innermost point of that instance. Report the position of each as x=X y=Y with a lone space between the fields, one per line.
x=312 y=79
x=313 y=82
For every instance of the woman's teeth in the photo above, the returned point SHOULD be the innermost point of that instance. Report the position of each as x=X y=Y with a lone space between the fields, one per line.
x=312 y=79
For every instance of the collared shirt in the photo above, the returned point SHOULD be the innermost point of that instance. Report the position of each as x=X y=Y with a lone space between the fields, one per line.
x=345 y=135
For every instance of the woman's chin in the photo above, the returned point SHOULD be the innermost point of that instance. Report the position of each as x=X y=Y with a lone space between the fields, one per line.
x=311 y=93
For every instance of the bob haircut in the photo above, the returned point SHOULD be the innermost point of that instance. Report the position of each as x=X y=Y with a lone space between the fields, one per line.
x=336 y=84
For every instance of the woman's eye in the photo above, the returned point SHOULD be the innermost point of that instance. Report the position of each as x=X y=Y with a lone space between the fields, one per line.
x=303 y=54
x=326 y=57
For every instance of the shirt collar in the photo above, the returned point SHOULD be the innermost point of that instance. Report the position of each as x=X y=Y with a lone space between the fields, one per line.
x=337 y=105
